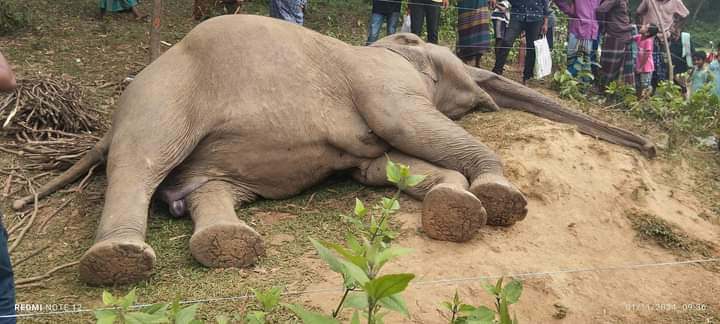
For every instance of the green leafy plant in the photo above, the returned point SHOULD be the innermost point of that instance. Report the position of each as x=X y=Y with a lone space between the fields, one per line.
x=622 y=94
x=505 y=296
x=360 y=261
x=568 y=87
x=120 y=310
x=269 y=300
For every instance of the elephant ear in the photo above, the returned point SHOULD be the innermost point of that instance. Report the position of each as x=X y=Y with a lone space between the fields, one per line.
x=413 y=49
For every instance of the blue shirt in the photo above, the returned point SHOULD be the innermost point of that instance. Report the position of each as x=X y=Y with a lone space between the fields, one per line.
x=529 y=10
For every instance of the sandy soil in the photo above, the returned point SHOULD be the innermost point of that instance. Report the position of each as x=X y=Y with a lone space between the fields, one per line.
x=580 y=191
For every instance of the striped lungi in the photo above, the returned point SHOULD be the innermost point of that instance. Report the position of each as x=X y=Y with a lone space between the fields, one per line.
x=617 y=57
x=473 y=28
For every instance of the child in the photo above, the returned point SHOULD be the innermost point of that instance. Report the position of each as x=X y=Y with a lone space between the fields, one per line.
x=715 y=70
x=644 y=65
x=383 y=11
x=699 y=76
x=500 y=19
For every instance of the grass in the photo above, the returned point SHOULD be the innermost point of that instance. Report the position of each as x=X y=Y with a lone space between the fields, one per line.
x=64 y=39
x=669 y=236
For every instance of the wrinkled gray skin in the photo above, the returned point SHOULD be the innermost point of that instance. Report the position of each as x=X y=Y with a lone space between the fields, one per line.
x=247 y=107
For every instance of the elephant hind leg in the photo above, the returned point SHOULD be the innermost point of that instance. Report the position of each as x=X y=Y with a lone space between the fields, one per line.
x=220 y=239
x=450 y=212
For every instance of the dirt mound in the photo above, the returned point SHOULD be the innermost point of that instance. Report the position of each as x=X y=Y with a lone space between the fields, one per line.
x=580 y=192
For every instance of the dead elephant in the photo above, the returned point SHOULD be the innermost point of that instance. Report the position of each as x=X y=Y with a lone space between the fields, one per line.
x=247 y=107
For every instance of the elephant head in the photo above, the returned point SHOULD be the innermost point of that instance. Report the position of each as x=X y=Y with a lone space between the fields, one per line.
x=450 y=86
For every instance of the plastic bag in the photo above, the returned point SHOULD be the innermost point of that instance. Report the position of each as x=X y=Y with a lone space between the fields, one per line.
x=543 y=58
x=406 y=25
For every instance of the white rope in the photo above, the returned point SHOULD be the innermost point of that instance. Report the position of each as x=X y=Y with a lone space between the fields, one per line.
x=412 y=285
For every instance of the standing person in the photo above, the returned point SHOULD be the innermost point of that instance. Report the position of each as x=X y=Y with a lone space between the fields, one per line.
x=121 y=6
x=673 y=14
x=583 y=32
x=531 y=17
x=7 y=285
x=699 y=75
x=473 y=30
x=617 y=38
x=383 y=11
x=644 y=65
x=289 y=10
x=715 y=71
x=500 y=19
x=426 y=11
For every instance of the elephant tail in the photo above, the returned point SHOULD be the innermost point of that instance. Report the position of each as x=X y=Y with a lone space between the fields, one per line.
x=508 y=93
x=92 y=157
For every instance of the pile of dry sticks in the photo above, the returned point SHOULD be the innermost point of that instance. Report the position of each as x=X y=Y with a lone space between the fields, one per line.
x=46 y=122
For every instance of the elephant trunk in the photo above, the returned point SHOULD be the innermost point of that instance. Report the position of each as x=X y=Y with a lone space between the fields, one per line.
x=510 y=94
x=92 y=157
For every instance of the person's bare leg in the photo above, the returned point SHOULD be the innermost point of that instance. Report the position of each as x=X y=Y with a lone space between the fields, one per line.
x=450 y=211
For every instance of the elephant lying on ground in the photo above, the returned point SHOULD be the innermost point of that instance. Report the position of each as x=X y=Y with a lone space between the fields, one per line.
x=247 y=107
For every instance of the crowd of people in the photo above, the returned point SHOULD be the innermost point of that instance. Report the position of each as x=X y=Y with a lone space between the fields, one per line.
x=602 y=38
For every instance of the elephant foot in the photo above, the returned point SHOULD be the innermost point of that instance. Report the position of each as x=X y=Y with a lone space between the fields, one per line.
x=227 y=246
x=113 y=262
x=504 y=203
x=452 y=214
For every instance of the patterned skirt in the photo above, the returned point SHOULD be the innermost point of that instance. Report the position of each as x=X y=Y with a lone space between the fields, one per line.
x=473 y=28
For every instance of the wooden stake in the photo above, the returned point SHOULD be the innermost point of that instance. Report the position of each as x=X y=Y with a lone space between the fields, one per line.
x=671 y=70
x=155 y=30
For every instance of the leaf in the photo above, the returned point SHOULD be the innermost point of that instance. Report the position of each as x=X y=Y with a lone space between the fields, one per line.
x=390 y=204
x=395 y=303
x=355 y=318
x=490 y=289
x=255 y=317
x=353 y=271
x=360 y=210
x=387 y=285
x=155 y=309
x=414 y=180
x=268 y=298
x=105 y=316
x=327 y=256
x=354 y=245
x=467 y=309
x=143 y=318
x=482 y=314
x=107 y=298
x=389 y=254
x=447 y=305
x=129 y=299
x=358 y=260
x=187 y=314
x=392 y=171
x=512 y=291
x=310 y=317
x=357 y=300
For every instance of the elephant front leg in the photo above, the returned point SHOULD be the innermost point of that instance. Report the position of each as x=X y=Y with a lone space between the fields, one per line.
x=414 y=126
x=220 y=239
x=450 y=212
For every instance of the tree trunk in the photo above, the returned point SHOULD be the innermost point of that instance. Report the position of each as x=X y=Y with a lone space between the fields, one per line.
x=671 y=70
x=155 y=30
